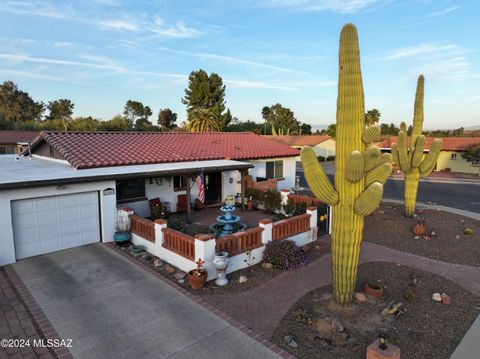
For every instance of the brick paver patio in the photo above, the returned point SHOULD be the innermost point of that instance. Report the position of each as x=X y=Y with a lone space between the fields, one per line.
x=21 y=318
x=261 y=308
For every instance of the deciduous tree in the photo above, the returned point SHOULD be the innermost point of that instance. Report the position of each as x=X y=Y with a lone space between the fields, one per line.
x=166 y=119
x=61 y=109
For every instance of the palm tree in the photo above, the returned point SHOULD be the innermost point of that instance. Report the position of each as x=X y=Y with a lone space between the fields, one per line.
x=372 y=117
x=204 y=120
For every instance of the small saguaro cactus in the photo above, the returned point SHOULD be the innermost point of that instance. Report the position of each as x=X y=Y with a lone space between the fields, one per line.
x=360 y=171
x=411 y=159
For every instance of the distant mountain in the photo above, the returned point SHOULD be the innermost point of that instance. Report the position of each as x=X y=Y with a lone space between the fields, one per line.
x=318 y=127
x=473 y=128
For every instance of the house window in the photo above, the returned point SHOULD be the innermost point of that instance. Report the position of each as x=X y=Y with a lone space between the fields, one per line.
x=274 y=169
x=453 y=156
x=131 y=190
x=7 y=150
x=179 y=183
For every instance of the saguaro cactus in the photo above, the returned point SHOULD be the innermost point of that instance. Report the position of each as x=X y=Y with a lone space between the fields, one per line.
x=411 y=159
x=360 y=172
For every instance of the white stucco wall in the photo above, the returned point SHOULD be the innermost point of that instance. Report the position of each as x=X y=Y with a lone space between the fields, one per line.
x=289 y=171
x=107 y=210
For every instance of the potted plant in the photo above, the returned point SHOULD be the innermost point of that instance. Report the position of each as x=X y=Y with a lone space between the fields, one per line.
x=122 y=236
x=198 y=276
x=250 y=203
x=220 y=262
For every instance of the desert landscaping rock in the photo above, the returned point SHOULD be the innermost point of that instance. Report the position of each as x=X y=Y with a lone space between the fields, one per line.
x=359 y=297
x=267 y=265
x=337 y=325
x=170 y=269
x=446 y=299
x=242 y=279
x=180 y=275
x=157 y=263
x=436 y=297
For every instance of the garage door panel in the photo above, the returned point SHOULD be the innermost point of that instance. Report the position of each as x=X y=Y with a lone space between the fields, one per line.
x=44 y=225
x=48 y=216
x=25 y=220
x=23 y=207
x=46 y=203
x=47 y=231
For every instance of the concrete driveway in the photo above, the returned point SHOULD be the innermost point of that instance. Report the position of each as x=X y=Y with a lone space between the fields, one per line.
x=113 y=309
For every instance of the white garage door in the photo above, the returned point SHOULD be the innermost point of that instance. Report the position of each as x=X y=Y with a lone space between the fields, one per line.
x=47 y=224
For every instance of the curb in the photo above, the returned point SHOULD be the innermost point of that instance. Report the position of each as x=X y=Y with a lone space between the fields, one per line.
x=197 y=299
x=39 y=318
x=438 y=207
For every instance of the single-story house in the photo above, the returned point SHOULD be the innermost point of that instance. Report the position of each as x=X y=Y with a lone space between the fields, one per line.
x=15 y=142
x=450 y=158
x=65 y=189
x=323 y=145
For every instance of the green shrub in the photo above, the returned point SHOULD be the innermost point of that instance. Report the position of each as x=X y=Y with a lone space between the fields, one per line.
x=255 y=194
x=284 y=254
x=329 y=158
x=272 y=200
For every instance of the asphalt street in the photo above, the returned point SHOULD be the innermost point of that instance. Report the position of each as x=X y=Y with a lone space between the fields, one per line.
x=457 y=195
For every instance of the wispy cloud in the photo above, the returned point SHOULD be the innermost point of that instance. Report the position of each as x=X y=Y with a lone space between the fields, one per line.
x=120 y=24
x=424 y=49
x=448 y=61
x=27 y=74
x=442 y=12
x=179 y=30
x=245 y=84
x=338 y=6
x=231 y=59
x=96 y=62
x=33 y=8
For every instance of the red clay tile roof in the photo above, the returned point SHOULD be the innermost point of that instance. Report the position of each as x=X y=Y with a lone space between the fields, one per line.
x=449 y=143
x=310 y=140
x=13 y=137
x=106 y=149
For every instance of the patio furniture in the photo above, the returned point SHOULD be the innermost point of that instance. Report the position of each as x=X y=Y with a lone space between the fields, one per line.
x=182 y=203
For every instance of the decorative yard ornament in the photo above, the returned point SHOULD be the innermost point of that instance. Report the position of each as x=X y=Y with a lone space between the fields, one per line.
x=360 y=171
x=410 y=159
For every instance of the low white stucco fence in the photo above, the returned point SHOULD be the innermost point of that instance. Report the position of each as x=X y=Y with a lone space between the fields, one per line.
x=246 y=247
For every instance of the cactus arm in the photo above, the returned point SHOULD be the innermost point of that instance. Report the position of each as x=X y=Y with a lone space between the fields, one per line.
x=372 y=156
x=394 y=149
x=371 y=133
x=354 y=167
x=403 y=156
x=316 y=178
x=418 y=110
x=403 y=127
x=379 y=174
x=369 y=200
x=417 y=156
x=428 y=163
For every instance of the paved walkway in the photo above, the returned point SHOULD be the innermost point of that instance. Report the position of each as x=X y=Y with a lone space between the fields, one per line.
x=112 y=308
x=262 y=307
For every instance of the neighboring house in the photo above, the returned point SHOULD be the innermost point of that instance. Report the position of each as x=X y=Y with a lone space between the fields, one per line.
x=14 y=142
x=68 y=193
x=323 y=145
x=450 y=158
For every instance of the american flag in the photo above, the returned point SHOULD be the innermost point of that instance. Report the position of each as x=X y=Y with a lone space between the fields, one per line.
x=201 y=188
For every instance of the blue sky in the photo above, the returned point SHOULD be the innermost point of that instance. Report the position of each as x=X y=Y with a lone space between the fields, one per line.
x=100 y=53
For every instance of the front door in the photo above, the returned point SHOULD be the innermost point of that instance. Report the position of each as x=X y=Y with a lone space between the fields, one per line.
x=213 y=187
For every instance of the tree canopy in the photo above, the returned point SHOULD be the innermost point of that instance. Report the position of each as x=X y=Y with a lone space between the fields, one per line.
x=281 y=119
x=62 y=110
x=17 y=106
x=472 y=153
x=372 y=117
x=205 y=98
x=138 y=115
x=166 y=119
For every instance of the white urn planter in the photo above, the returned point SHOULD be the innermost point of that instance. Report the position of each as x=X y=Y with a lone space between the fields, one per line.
x=220 y=262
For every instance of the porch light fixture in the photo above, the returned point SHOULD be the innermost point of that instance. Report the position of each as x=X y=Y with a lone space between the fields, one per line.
x=230 y=180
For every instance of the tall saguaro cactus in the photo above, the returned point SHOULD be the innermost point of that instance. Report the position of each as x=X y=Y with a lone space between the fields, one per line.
x=411 y=159
x=360 y=171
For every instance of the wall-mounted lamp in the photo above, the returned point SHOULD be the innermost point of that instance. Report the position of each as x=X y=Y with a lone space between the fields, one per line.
x=230 y=180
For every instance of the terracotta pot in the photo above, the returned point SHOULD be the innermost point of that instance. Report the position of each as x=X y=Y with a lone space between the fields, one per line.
x=195 y=280
x=249 y=205
x=373 y=290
